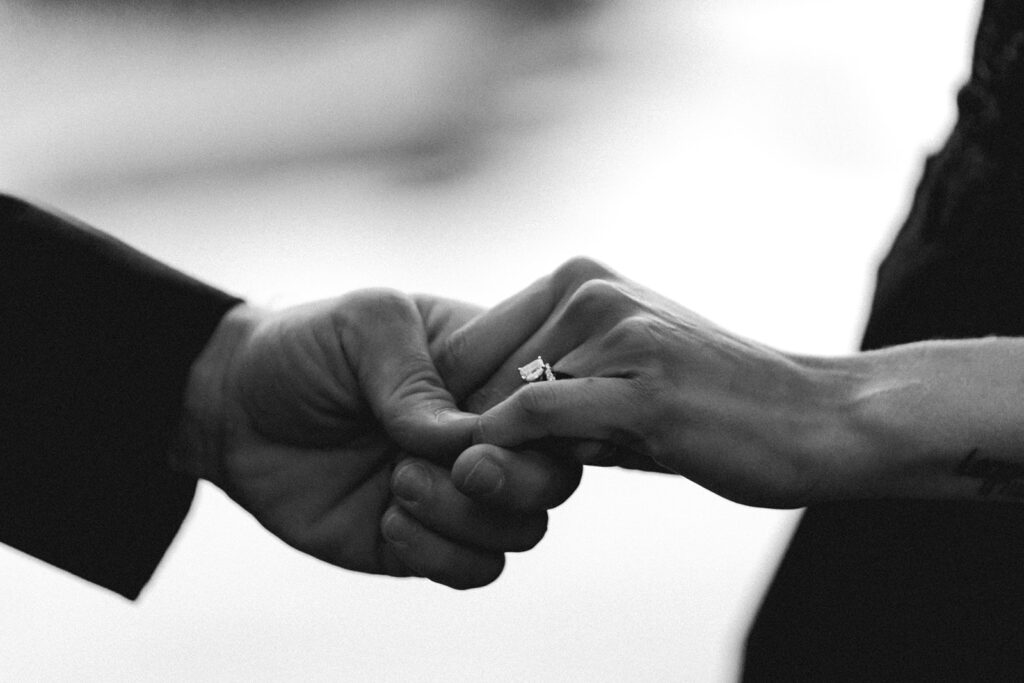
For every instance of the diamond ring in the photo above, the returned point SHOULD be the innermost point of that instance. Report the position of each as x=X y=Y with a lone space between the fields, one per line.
x=537 y=370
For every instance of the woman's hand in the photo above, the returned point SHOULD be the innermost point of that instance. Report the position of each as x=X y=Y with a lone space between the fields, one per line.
x=655 y=387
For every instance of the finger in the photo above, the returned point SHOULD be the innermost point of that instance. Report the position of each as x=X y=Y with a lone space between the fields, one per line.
x=476 y=352
x=524 y=481
x=441 y=318
x=385 y=341
x=435 y=557
x=587 y=314
x=608 y=454
x=426 y=492
x=595 y=408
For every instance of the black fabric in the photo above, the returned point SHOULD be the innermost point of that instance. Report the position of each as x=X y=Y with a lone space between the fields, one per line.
x=925 y=591
x=96 y=341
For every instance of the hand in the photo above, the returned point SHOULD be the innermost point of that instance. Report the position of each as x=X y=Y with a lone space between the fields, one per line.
x=305 y=416
x=656 y=387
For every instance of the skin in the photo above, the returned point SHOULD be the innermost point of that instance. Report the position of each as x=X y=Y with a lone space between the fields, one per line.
x=331 y=425
x=657 y=387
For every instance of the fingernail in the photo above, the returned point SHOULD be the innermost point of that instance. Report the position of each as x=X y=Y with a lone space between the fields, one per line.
x=484 y=478
x=410 y=482
x=394 y=527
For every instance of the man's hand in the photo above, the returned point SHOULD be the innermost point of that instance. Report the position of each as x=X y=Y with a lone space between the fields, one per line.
x=308 y=418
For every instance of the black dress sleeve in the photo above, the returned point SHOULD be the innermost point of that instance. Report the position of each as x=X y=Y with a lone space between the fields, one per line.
x=96 y=342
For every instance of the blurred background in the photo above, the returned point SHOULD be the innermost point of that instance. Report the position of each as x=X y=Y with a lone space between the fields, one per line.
x=749 y=159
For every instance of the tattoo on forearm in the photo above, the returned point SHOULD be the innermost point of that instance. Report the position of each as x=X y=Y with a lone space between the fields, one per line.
x=997 y=476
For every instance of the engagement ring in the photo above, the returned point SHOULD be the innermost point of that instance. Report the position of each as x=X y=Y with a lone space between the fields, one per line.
x=536 y=370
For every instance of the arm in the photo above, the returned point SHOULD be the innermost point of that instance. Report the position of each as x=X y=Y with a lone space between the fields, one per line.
x=936 y=419
x=308 y=417
x=662 y=387
x=97 y=341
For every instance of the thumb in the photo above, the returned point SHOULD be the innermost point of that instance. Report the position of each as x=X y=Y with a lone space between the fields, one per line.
x=386 y=344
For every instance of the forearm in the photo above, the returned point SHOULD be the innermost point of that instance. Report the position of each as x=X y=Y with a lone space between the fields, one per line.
x=938 y=419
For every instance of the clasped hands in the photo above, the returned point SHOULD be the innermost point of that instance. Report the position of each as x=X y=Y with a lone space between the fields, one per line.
x=392 y=434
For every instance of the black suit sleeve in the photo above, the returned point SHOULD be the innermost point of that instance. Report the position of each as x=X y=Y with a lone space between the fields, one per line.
x=96 y=341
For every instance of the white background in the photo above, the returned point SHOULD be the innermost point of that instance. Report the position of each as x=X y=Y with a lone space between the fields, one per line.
x=749 y=159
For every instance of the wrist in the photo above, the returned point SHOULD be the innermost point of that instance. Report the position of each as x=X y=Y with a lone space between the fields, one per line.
x=837 y=440
x=917 y=413
x=203 y=428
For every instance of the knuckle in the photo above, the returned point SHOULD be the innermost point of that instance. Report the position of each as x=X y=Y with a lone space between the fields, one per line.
x=595 y=298
x=534 y=400
x=353 y=312
x=637 y=327
x=637 y=332
x=481 y=430
x=380 y=302
x=580 y=269
x=650 y=348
